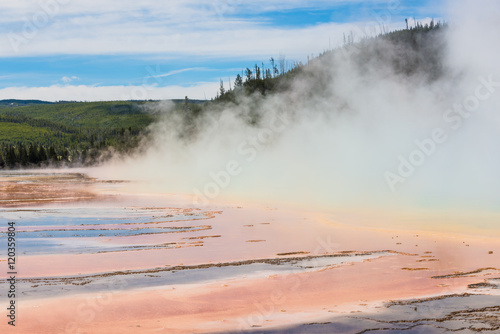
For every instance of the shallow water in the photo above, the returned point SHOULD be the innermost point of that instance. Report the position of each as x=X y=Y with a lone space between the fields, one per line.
x=171 y=277
x=78 y=230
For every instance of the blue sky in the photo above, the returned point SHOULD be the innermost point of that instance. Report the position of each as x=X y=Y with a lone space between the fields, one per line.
x=124 y=49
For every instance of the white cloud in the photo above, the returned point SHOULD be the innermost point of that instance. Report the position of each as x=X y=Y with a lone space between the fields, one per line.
x=215 y=28
x=109 y=93
x=236 y=42
x=69 y=79
x=168 y=74
x=175 y=9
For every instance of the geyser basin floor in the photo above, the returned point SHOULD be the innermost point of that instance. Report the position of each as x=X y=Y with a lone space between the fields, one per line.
x=109 y=262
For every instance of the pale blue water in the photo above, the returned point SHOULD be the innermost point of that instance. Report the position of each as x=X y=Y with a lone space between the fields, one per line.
x=56 y=238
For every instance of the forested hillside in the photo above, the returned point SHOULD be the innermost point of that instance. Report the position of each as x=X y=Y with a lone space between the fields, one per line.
x=416 y=50
x=39 y=134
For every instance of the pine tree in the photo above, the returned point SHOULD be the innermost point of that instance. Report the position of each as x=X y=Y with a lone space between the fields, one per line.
x=238 y=82
x=10 y=157
x=52 y=154
x=42 y=154
x=22 y=155
x=65 y=154
x=33 y=154
x=222 y=91
x=248 y=73
x=257 y=72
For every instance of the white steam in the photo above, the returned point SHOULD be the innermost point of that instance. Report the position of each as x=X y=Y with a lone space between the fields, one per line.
x=342 y=144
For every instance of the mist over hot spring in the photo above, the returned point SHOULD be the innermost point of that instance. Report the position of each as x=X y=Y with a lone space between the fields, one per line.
x=357 y=127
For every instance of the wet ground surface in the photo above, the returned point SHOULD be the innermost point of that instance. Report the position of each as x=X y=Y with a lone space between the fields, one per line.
x=463 y=313
x=179 y=268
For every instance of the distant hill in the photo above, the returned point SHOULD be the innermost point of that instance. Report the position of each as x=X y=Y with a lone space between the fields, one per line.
x=85 y=115
x=19 y=103
x=190 y=101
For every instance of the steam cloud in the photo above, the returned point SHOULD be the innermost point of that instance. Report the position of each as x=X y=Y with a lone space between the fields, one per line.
x=349 y=133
